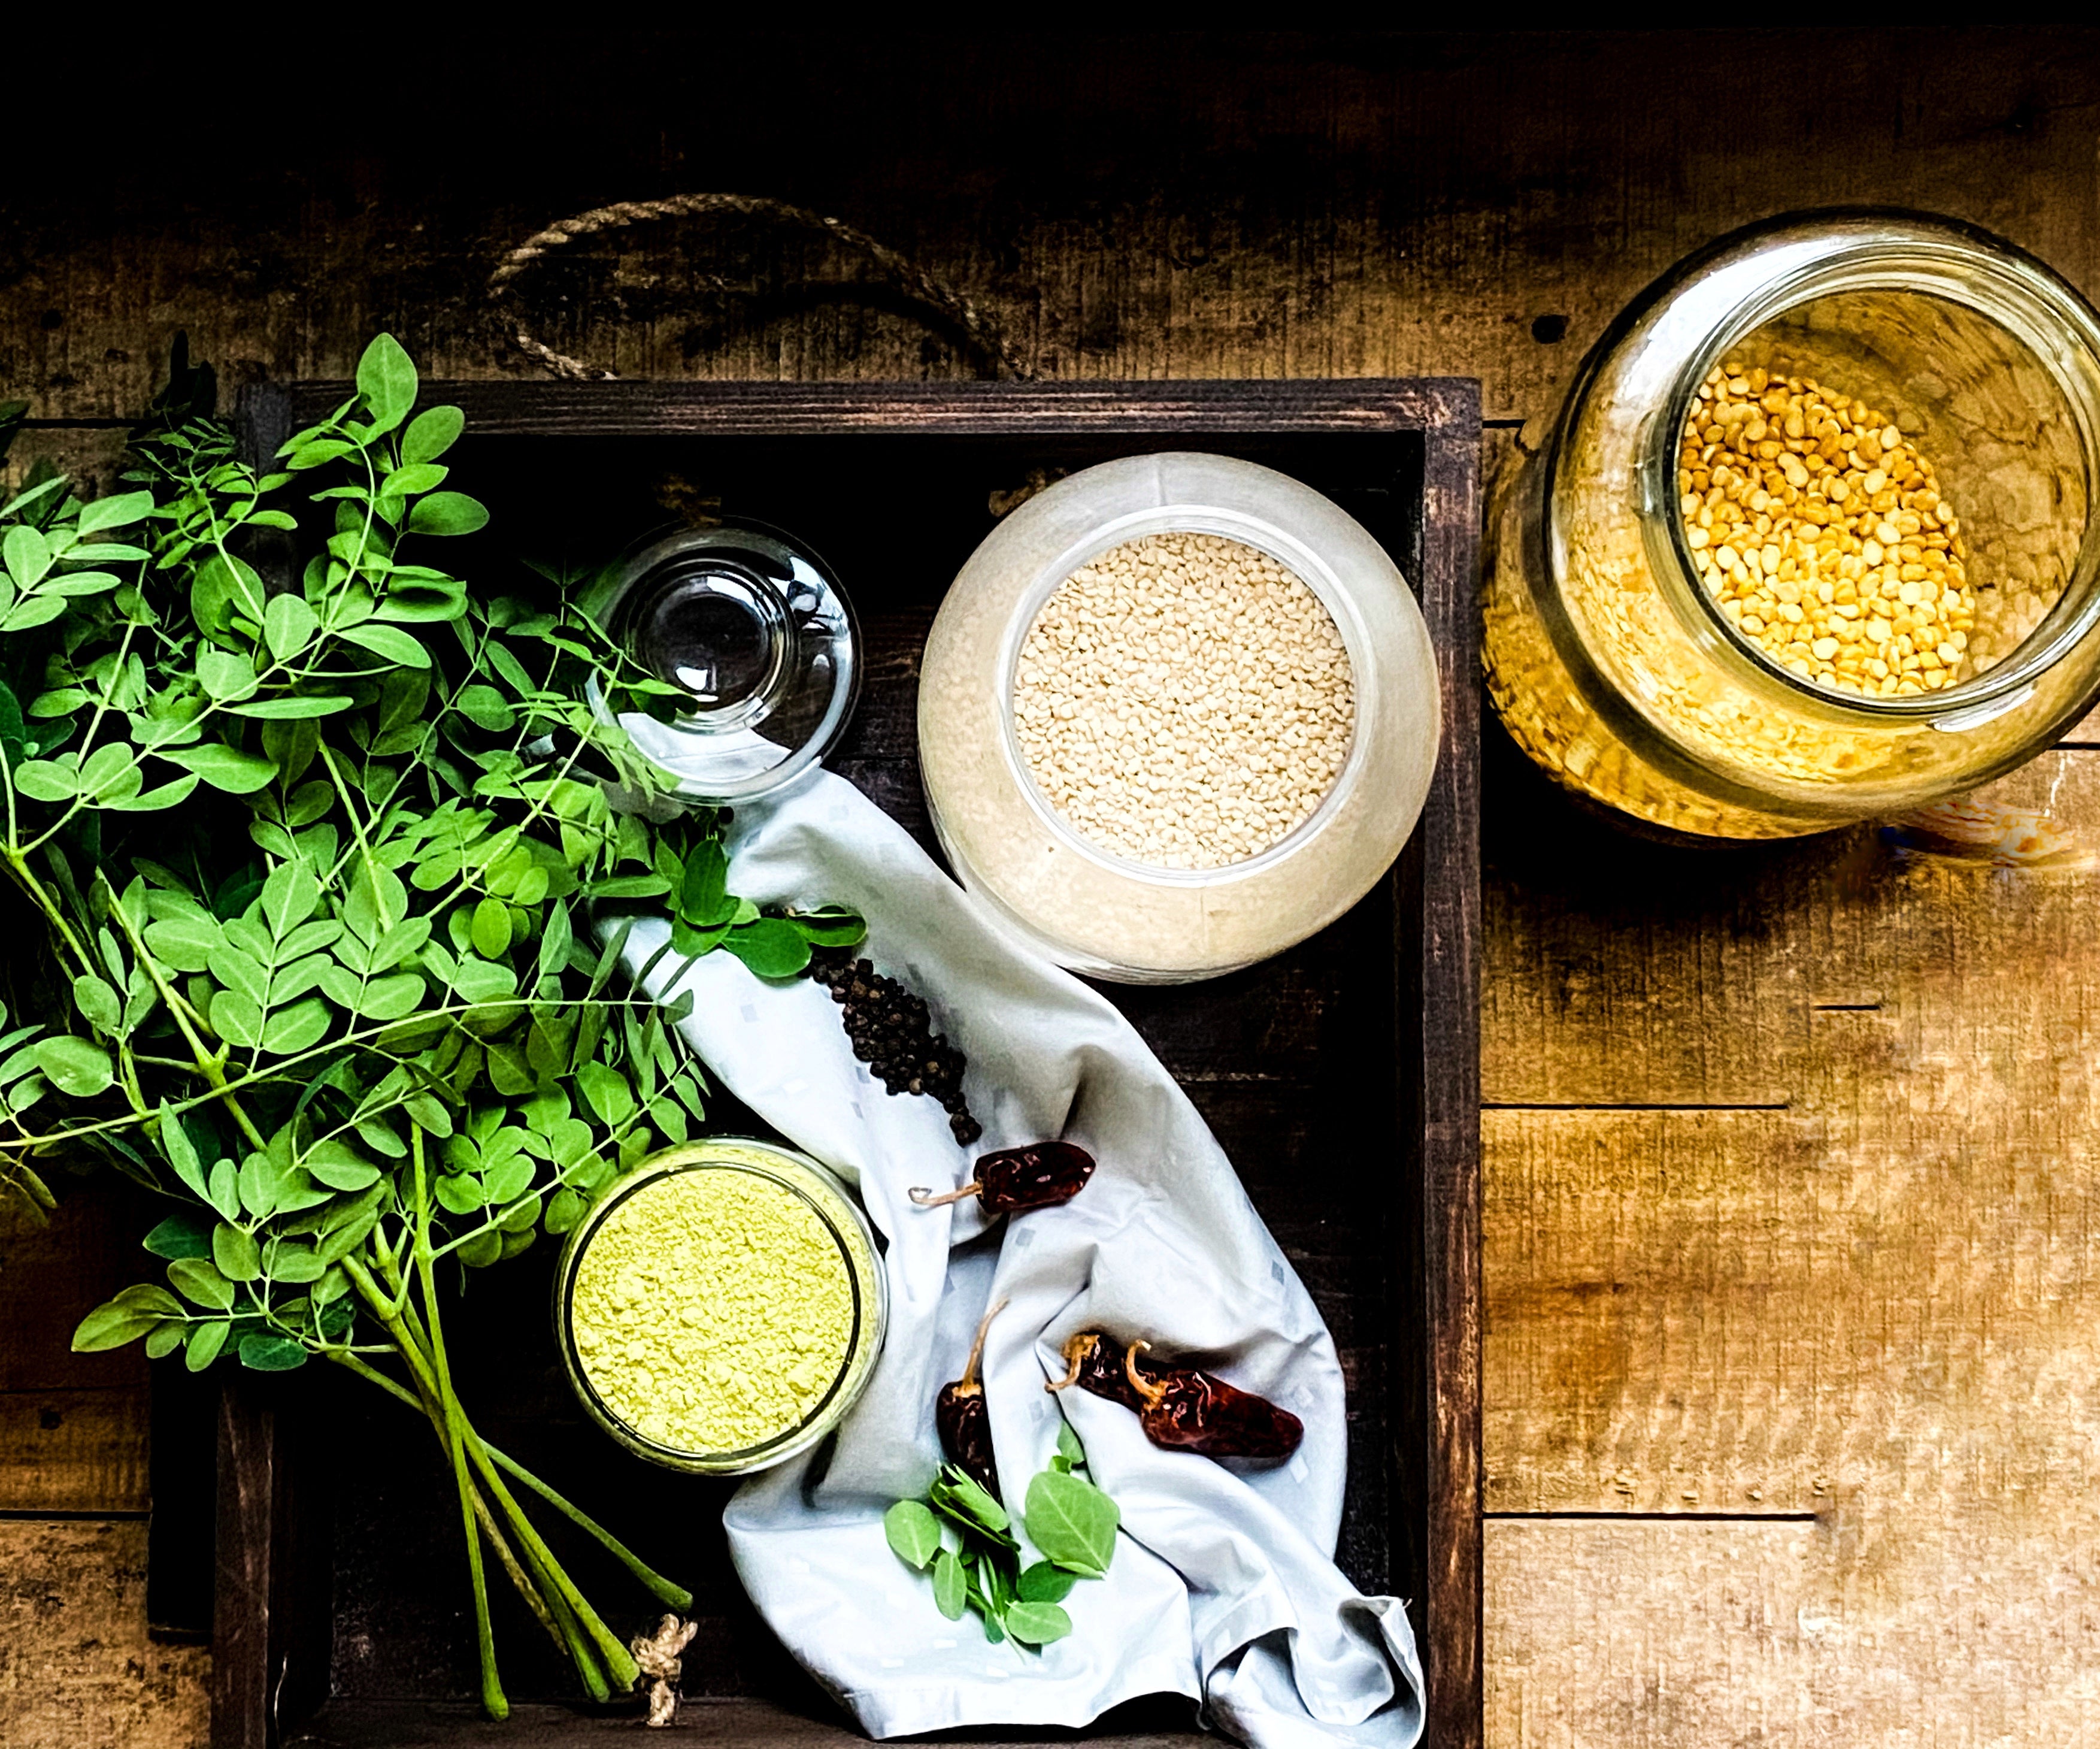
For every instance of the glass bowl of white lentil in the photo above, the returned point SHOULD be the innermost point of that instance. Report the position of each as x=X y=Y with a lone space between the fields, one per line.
x=1177 y=713
x=1812 y=540
x=721 y=1307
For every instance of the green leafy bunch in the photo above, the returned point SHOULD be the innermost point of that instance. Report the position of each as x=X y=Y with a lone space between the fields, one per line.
x=962 y=1535
x=314 y=848
x=705 y=915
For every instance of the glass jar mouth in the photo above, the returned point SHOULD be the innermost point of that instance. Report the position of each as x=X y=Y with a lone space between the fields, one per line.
x=756 y=629
x=1902 y=254
x=1303 y=562
x=865 y=1326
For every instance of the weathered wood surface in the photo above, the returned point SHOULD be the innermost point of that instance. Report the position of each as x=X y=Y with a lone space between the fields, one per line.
x=73 y=1427
x=1873 y=1270
x=76 y=1669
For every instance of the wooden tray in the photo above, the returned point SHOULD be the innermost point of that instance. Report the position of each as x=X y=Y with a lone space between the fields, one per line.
x=1341 y=1077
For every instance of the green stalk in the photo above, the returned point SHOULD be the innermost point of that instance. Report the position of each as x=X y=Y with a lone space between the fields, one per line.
x=663 y=1589
x=486 y=1519
x=676 y=1595
x=493 y=1699
x=619 y=1660
x=576 y=1626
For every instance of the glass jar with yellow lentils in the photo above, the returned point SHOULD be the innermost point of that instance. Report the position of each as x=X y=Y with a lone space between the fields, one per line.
x=1811 y=540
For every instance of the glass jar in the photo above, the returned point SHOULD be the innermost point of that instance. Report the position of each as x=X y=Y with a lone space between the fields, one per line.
x=605 y=1357
x=1631 y=677
x=1067 y=896
x=756 y=632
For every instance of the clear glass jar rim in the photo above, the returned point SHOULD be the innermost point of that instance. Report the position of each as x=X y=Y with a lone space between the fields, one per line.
x=1869 y=249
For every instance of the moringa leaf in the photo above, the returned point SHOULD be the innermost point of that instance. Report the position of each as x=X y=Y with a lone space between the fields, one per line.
x=290 y=1030
x=951 y=1584
x=261 y=1352
x=914 y=1533
x=184 y=1234
x=387 y=380
x=1072 y=1522
x=206 y=1341
x=98 y=1002
x=1036 y=1624
x=289 y=626
x=1045 y=1582
x=389 y=643
x=234 y=1250
x=770 y=947
x=432 y=434
x=224 y=675
x=284 y=709
x=704 y=899
x=199 y=1279
x=448 y=513
x=112 y=1326
x=223 y=767
x=490 y=929
x=74 y=1065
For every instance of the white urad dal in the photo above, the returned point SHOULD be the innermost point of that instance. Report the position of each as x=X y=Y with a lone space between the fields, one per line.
x=1183 y=700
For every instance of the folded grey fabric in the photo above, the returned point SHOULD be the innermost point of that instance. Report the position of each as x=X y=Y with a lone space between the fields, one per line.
x=1223 y=1588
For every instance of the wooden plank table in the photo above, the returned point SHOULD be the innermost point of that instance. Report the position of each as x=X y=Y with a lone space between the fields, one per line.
x=1791 y=1223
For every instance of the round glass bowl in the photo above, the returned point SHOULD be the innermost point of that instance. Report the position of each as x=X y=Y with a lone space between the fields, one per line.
x=721 y=1307
x=755 y=630
x=1634 y=680
x=1104 y=914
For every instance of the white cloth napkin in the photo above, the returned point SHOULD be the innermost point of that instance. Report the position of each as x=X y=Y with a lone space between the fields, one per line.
x=1225 y=1587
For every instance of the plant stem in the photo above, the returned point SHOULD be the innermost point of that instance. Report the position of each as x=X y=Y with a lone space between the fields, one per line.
x=619 y=1660
x=493 y=1699
x=674 y=1595
x=486 y=1518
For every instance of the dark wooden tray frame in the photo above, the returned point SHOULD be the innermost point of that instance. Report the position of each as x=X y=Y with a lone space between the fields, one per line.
x=262 y=1610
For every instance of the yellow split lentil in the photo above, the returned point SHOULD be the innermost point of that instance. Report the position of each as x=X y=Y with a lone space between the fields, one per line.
x=712 y=1309
x=1822 y=534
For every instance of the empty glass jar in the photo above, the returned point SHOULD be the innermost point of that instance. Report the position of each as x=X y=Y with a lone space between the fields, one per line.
x=1811 y=540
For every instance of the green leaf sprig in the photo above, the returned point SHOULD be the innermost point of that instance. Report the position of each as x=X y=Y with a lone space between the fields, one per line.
x=774 y=942
x=313 y=853
x=1071 y=1522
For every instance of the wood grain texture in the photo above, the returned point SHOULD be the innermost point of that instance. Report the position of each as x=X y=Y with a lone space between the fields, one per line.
x=1871 y=1300
x=76 y=1669
x=73 y=1427
x=1692 y=1632
x=716 y=1724
x=1186 y=204
x=1176 y=207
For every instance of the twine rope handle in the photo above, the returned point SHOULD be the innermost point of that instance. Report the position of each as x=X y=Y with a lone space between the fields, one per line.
x=897 y=270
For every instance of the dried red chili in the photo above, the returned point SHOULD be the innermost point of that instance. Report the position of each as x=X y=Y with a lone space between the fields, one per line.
x=1016 y=1180
x=963 y=1419
x=1185 y=1410
x=1096 y=1361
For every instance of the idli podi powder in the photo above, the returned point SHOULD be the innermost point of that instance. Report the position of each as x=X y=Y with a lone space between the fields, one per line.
x=712 y=1309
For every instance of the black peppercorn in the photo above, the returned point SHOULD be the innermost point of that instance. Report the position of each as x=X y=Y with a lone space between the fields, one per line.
x=890 y=1031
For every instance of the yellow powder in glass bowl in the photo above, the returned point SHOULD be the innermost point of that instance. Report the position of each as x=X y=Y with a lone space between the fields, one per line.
x=712 y=1309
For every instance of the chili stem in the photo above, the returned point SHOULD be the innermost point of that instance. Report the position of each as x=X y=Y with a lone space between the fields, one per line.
x=977 y=1348
x=1144 y=1387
